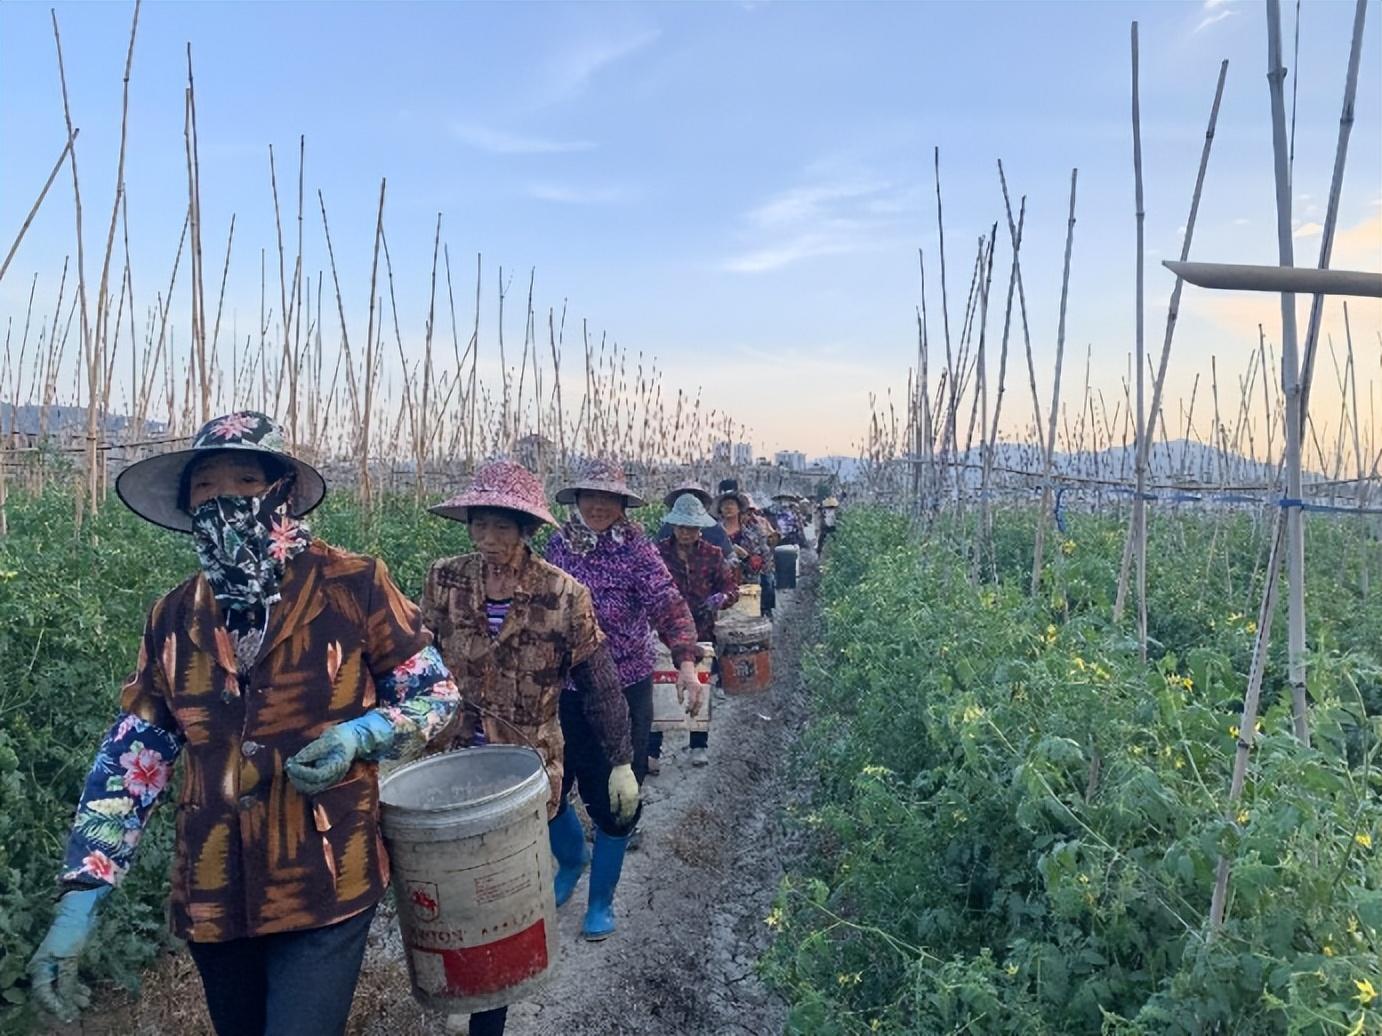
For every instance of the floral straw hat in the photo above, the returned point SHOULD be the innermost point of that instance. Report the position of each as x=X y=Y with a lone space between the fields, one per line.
x=694 y=488
x=503 y=484
x=152 y=488
x=689 y=511
x=600 y=476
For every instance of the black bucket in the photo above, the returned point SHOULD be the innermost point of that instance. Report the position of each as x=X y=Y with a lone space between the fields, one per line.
x=785 y=560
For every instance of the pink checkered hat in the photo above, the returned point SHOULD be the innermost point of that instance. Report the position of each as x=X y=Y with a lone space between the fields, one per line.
x=503 y=484
x=600 y=476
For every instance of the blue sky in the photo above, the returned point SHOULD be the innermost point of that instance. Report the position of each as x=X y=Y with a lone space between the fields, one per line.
x=738 y=189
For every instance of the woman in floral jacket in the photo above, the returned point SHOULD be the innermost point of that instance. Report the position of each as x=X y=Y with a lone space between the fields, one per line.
x=516 y=630
x=705 y=580
x=281 y=673
x=634 y=594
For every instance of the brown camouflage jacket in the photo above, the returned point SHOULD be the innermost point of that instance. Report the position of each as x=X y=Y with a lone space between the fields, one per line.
x=253 y=855
x=549 y=637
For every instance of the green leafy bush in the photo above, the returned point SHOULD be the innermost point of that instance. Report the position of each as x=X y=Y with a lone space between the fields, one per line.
x=1016 y=824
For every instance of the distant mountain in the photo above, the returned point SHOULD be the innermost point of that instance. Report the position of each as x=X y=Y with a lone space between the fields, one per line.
x=27 y=419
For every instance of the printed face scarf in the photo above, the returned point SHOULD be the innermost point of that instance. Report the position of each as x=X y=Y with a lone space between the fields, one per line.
x=243 y=542
x=582 y=539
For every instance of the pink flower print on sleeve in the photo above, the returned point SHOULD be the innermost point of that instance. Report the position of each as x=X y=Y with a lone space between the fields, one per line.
x=146 y=774
x=102 y=867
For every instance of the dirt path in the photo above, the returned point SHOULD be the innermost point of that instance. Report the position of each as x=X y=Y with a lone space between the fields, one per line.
x=690 y=905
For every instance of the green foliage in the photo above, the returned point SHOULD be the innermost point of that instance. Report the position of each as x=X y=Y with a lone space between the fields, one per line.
x=1016 y=823
x=72 y=608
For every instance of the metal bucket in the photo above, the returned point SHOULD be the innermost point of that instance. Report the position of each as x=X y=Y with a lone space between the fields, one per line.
x=467 y=838
x=785 y=558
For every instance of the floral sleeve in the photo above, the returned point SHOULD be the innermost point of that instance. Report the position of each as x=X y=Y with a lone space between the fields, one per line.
x=418 y=698
x=132 y=768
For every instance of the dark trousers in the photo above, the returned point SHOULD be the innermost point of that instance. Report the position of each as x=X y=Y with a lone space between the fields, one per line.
x=488 y=1023
x=699 y=739
x=286 y=984
x=584 y=766
x=768 y=584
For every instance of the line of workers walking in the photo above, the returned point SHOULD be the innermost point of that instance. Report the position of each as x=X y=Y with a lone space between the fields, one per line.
x=285 y=670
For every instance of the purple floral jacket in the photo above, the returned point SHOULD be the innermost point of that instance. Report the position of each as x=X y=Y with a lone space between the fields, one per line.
x=632 y=590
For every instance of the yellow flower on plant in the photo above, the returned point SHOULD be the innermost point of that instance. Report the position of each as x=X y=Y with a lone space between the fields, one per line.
x=1251 y=627
x=1243 y=815
x=1366 y=993
x=775 y=919
x=1327 y=950
x=1233 y=731
x=1364 y=839
x=1011 y=970
x=1357 y=1027
x=973 y=713
x=1067 y=547
x=1079 y=663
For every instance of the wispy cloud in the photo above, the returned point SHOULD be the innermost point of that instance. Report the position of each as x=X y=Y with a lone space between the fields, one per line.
x=1211 y=19
x=1242 y=221
x=831 y=216
x=565 y=194
x=571 y=71
x=785 y=253
x=504 y=142
x=1307 y=230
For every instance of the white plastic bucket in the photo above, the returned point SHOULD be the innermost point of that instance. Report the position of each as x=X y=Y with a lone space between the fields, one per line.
x=668 y=713
x=472 y=873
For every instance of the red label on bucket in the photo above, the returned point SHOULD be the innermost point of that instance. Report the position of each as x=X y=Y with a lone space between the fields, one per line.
x=670 y=676
x=493 y=966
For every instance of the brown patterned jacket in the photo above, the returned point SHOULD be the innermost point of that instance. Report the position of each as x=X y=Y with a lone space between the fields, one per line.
x=253 y=855
x=550 y=637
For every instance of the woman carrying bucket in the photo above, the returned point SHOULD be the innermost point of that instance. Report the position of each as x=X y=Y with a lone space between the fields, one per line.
x=516 y=630
x=633 y=591
x=707 y=583
x=750 y=545
x=281 y=672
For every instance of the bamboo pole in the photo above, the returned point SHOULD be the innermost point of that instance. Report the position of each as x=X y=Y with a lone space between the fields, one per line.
x=1296 y=391
x=1173 y=313
x=1044 y=518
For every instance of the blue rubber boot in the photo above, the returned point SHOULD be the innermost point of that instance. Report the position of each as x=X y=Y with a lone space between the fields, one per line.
x=568 y=846
x=604 y=877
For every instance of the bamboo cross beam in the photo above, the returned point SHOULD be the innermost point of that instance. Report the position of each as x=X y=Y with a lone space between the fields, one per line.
x=1292 y=279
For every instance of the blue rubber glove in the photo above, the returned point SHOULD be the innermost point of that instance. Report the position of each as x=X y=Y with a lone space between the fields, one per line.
x=53 y=967
x=324 y=762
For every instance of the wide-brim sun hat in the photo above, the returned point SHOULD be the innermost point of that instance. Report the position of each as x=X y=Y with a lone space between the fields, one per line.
x=734 y=495
x=600 y=476
x=501 y=484
x=830 y=501
x=694 y=488
x=690 y=513
x=152 y=487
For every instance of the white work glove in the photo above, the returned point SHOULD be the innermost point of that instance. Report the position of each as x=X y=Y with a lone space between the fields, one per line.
x=623 y=793
x=689 y=690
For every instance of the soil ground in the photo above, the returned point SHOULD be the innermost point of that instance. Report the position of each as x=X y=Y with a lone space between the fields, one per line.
x=690 y=904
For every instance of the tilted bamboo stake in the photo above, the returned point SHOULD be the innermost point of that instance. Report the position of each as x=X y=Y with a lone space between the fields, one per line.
x=1173 y=313
x=1044 y=518
x=38 y=202
x=89 y=347
x=1296 y=389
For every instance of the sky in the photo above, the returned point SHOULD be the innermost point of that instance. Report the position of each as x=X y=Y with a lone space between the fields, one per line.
x=737 y=189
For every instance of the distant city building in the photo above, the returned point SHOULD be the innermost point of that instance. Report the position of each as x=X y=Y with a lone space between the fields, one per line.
x=743 y=453
x=792 y=460
x=721 y=453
